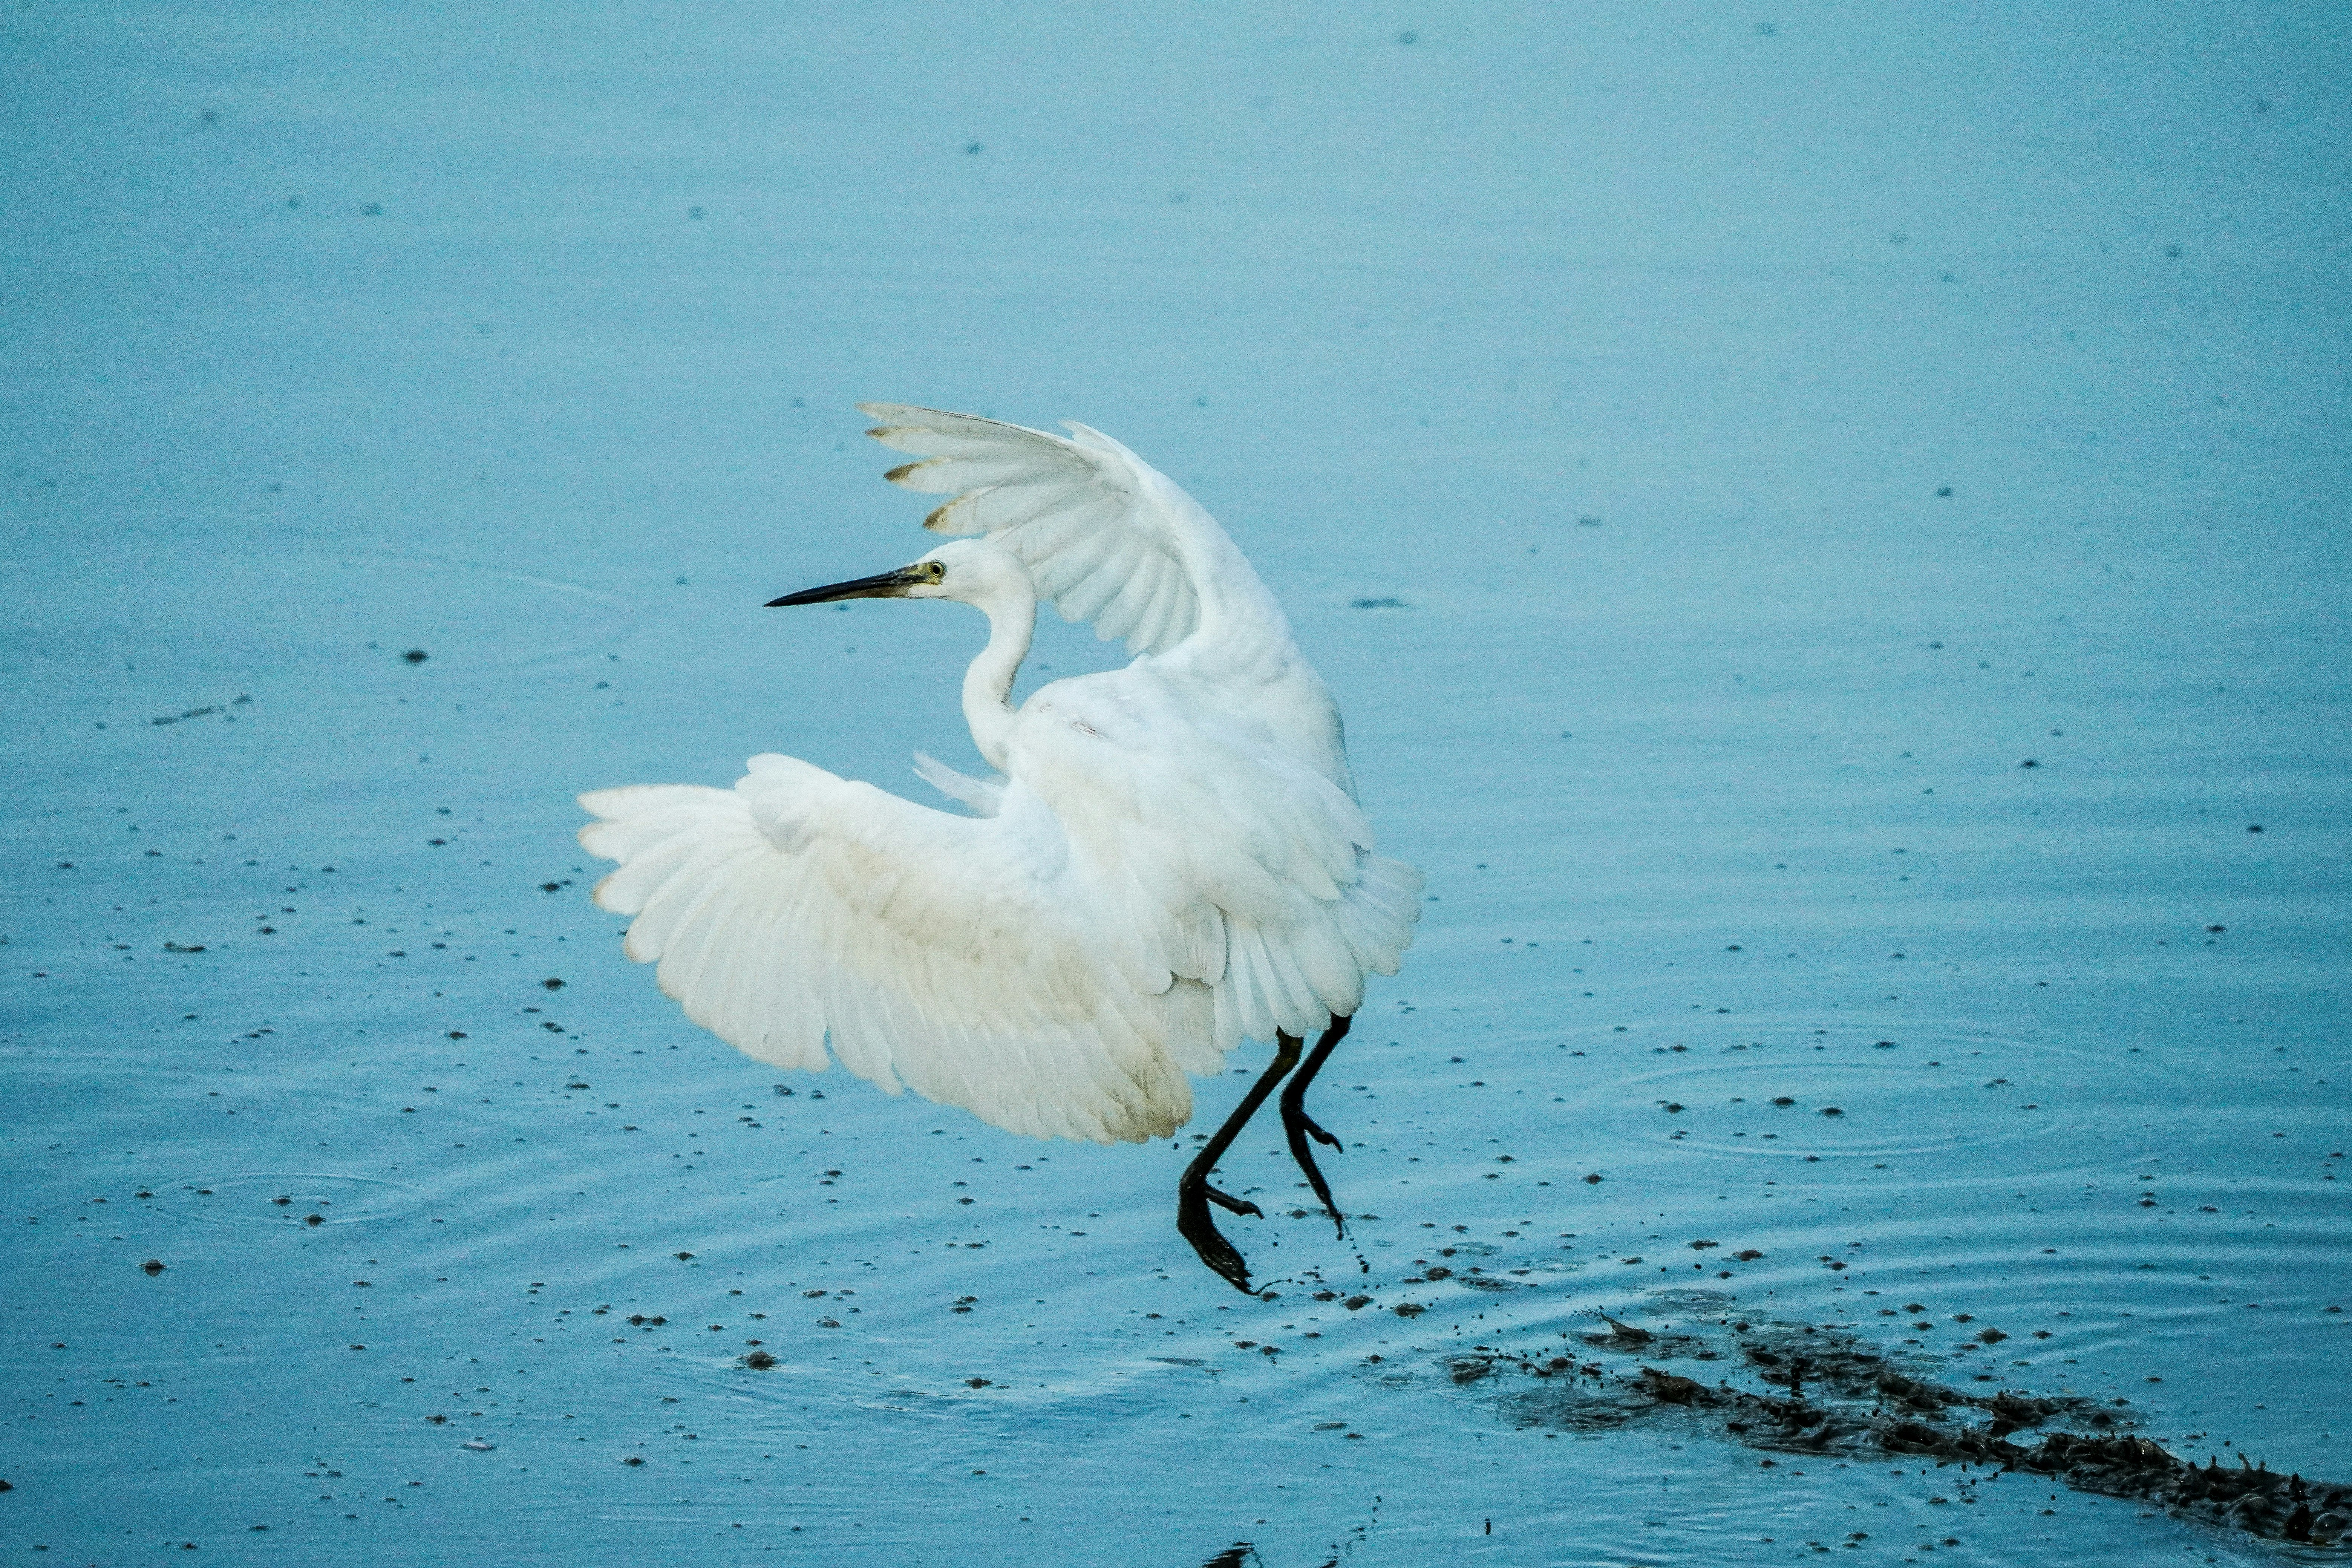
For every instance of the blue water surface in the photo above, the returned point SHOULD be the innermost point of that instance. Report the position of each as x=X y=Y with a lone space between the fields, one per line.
x=1827 y=525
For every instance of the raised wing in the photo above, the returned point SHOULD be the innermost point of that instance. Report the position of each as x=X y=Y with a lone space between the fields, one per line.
x=1108 y=538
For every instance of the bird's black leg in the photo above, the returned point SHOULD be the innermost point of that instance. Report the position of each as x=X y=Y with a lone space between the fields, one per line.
x=1301 y=1126
x=1193 y=1193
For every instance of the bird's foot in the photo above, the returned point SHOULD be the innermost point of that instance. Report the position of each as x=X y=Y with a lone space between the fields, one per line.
x=1192 y=1223
x=1301 y=1127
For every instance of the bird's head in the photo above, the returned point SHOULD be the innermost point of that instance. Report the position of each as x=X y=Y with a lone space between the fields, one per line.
x=968 y=570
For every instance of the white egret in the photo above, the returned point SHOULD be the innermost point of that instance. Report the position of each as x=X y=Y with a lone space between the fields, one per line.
x=1173 y=861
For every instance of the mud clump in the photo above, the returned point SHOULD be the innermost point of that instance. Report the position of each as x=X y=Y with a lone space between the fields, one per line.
x=1830 y=1394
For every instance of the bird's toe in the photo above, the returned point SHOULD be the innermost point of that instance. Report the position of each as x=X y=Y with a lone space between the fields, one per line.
x=1193 y=1224
x=1314 y=1128
x=1233 y=1205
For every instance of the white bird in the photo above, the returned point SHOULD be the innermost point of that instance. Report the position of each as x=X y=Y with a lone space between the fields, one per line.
x=1173 y=860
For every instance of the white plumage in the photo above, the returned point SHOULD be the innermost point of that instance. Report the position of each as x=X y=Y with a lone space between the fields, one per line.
x=1174 y=860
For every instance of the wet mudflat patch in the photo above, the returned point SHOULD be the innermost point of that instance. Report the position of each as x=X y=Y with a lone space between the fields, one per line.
x=1830 y=1394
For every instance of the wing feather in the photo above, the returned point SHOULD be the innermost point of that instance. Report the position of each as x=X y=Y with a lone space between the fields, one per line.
x=1075 y=509
x=761 y=1025
x=1256 y=984
x=753 y=1017
x=1063 y=570
x=984 y=796
x=949 y=475
x=1106 y=576
x=671 y=900
x=999 y=507
x=1155 y=622
x=940 y=952
x=1123 y=617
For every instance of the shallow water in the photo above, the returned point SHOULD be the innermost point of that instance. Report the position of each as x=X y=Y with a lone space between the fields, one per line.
x=1587 y=342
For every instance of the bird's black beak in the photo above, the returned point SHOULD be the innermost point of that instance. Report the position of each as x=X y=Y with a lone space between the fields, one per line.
x=886 y=585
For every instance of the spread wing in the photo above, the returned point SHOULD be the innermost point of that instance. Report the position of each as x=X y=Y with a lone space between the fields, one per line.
x=942 y=953
x=1056 y=968
x=1108 y=538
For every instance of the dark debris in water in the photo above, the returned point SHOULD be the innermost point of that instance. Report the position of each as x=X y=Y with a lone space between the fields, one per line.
x=1834 y=1396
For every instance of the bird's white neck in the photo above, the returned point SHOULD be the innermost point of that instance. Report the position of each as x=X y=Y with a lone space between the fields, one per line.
x=1011 y=612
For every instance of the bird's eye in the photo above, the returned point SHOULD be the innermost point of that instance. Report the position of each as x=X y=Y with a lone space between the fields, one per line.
x=938 y=570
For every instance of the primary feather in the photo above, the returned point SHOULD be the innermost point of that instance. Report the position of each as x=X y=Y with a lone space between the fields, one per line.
x=1086 y=516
